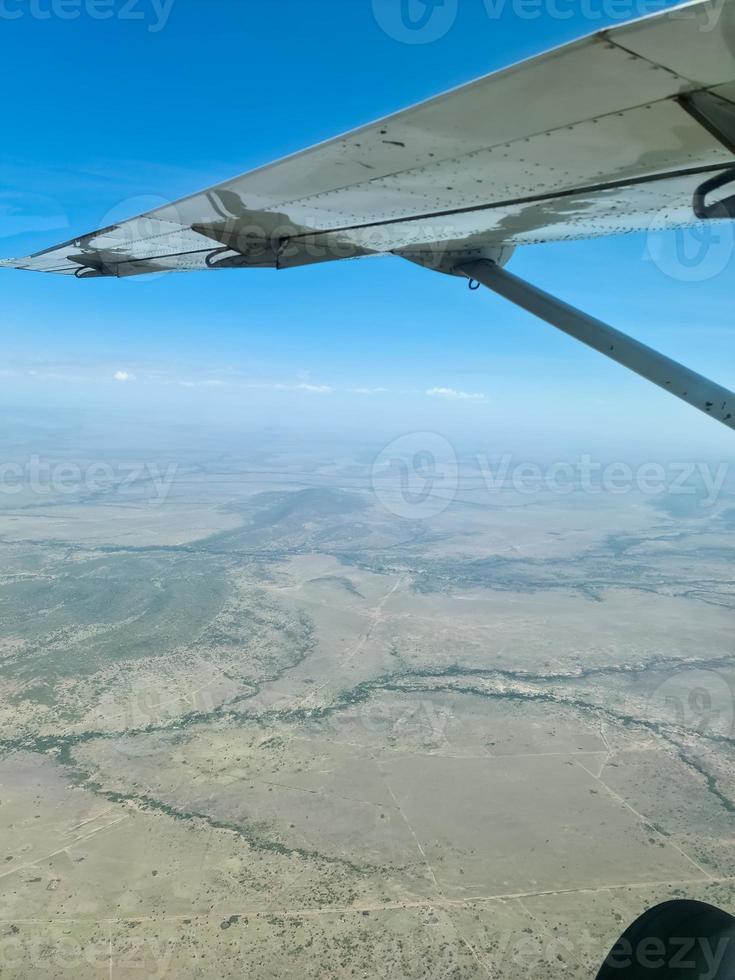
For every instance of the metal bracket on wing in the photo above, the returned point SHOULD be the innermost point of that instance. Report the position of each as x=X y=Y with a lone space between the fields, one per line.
x=239 y=249
x=105 y=265
x=698 y=391
x=91 y=267
x=717 y=116
x=719 y=209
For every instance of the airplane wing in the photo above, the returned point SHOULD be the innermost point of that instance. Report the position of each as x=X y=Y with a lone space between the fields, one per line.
x=612 y=133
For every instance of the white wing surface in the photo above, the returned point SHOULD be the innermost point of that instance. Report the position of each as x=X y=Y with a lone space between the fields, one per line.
x=591 y=139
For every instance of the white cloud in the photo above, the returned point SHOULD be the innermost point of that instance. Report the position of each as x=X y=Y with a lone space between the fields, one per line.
x=280 y=386
x=124 y=376
x=315 y=389
x=56 y=376
x=367 y=391
x=207 y=383
x=452 y=395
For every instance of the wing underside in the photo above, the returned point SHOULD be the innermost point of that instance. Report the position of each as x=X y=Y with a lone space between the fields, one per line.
x=591 y=139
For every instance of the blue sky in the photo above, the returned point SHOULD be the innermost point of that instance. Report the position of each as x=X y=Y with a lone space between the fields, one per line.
x=105 y=118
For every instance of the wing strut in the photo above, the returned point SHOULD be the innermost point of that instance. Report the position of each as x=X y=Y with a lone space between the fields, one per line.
x=691 y=387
